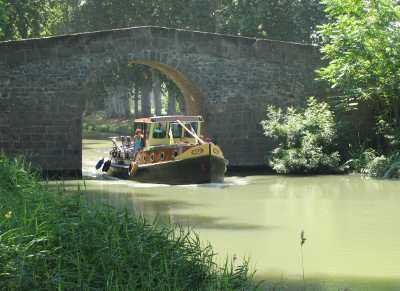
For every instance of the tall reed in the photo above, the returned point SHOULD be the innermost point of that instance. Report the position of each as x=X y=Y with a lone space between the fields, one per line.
x=302 y=242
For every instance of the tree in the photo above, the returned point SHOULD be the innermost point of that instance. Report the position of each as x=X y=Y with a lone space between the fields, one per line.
x=29 y=18
x=361 y=43
x=304 y=139
x=3 y=18
x=275 y=19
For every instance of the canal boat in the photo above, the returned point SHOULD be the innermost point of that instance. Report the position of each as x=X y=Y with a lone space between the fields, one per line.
x=166 y=150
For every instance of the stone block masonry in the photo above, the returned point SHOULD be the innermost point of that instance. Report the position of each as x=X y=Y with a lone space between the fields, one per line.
x=229 y=80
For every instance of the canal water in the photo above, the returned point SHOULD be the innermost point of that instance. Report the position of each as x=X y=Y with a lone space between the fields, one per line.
x=351 y=223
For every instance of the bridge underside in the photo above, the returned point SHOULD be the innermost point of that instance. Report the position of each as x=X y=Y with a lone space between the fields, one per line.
x=229 y=80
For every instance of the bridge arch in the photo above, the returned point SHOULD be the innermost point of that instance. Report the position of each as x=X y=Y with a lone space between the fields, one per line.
x=98 y=72
x=193 y=97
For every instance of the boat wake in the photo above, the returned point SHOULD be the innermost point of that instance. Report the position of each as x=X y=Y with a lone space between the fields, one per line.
x=110 y=180
x=92 y=174
x=228 y=182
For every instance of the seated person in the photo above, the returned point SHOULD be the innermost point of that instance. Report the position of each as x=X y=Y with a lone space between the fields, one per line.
x=138 y=140
x=159 y=131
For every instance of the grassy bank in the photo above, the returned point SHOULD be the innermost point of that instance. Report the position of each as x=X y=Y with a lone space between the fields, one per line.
x=96 y=122
x=54 y=241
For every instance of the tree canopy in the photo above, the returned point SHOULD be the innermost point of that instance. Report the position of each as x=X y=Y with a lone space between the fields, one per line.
x=361 y=42
x=282 y=20
x=28 y=18
x=276 y=19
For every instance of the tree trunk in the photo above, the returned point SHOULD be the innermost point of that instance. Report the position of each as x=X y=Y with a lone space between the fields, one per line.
x=136 y=99
x=171 y=103
x=156 y=91
x=146 y=92
x=182 y=107
x=396 y=109
x=117 y=101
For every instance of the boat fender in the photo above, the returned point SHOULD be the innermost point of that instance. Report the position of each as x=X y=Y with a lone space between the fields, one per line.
x=99 y=164
x=133 y=167
x=106 y=166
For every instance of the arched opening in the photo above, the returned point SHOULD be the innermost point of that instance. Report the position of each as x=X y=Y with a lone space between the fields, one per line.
x=142 y=88
x=192 y=96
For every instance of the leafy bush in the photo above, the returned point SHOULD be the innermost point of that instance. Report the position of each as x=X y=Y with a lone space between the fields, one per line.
x=360 y=45
x=384 y=167
x=305 y=139
x=369 y=163
x=393 y=168
x=360 y=159
x=376 y=167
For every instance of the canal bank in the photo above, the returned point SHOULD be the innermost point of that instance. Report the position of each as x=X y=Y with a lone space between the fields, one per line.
x=350 y=222
x=53 y=240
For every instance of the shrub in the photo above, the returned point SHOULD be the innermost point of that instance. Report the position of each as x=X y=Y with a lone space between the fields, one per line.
x=393 y=168
x=368 y=162
x=384 y=167
x=304 y=139
x=360 y=159
x=376 y=167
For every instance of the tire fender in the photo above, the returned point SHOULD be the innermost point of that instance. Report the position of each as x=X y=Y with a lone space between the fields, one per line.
x=133 y=167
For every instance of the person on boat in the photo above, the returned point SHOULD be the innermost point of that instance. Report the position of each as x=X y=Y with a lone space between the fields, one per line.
x=159 y=131
x=138 y=140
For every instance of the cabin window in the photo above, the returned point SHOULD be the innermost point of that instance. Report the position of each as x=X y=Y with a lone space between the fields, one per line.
x=193 y=126
x=176 y=129
x=160 y=130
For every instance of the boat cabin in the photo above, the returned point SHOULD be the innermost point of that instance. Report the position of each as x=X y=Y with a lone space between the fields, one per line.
x=168 y=130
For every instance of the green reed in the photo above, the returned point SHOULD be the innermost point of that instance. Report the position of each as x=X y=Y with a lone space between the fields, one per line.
x=55 y=241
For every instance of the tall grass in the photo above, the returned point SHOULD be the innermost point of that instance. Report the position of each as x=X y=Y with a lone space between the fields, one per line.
x=55 y=241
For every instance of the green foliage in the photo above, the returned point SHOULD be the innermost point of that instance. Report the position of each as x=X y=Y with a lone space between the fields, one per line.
x=283 y=20
x=393 y=168
x=376 y=167
x=361 y=41
x=305 y=139
x=384 y=167
x=97 y=122
x=55 y=241
x=93 y=15
x=3 y=18
x=276 y=19
x=28 y=18
x=369 y=163
x=360 y=159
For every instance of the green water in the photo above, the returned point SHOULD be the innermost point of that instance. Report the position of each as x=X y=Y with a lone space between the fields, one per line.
x=351 y=223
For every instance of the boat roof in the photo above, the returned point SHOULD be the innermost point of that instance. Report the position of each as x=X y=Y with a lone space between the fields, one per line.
x=169 y=118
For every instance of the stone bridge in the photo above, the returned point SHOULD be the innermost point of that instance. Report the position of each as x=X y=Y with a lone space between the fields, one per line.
x=229 y=80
